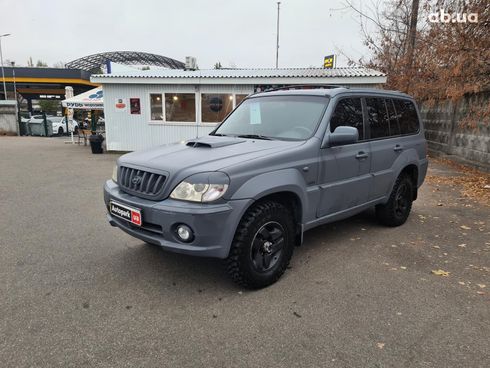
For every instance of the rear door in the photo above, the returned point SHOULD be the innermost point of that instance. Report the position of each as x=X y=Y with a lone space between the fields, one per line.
x=344 y=170
x=384 y=134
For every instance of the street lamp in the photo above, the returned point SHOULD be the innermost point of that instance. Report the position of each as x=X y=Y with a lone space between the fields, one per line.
x=1 y=61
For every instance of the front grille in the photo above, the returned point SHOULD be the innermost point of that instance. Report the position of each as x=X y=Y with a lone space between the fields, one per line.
x=140 y=182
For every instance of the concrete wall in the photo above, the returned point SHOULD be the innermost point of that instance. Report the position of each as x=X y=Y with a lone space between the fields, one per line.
x=445 y=135
x=8 y=118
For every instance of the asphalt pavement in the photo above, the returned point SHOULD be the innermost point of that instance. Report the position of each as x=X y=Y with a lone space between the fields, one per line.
x=76 y=292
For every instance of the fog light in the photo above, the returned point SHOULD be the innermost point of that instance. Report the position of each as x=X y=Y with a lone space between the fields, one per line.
x=184 y=232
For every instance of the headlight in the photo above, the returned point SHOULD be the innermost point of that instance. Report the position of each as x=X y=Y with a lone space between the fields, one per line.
x=198 y=192
x=206 y=187
x=114 y=174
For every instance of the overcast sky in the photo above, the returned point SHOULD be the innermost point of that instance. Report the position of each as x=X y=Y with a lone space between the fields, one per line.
x=236 y=33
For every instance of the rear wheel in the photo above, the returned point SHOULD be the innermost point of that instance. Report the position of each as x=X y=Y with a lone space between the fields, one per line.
x=395 y=212
x=262 y=246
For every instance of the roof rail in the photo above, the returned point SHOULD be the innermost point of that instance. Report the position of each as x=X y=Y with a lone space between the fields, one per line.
x=304 y=86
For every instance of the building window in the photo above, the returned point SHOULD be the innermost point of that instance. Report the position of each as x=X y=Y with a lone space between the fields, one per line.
x=180 y=107
x=215 y=107
x=239 y=98
x=156 y=107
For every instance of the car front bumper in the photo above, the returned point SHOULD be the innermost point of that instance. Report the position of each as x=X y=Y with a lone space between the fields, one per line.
x=213 y=225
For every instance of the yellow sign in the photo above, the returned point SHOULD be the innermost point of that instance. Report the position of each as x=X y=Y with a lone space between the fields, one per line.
x=328 y=61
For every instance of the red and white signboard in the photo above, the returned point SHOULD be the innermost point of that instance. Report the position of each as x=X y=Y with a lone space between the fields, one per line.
x=121 y=105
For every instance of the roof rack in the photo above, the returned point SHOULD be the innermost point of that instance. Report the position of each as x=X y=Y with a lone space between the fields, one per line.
x=304 y=86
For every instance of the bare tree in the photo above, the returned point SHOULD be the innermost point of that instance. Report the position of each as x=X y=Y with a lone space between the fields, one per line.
x=59 y=64
x=431 y=60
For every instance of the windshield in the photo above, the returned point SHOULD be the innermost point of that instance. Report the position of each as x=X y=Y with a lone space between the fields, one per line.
x=56 y=119
x=275 y=117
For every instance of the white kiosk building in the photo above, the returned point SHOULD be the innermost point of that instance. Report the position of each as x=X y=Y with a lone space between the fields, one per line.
x=154 y=107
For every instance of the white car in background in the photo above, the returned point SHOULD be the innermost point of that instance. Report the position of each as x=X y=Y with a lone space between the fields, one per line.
x=58 y=122
x=59 y=125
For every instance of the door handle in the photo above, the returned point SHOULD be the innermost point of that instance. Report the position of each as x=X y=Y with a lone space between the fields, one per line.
x=398 y=148
x=360 y=155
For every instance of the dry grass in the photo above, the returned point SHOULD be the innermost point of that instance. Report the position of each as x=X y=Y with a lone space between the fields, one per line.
x=472 y=183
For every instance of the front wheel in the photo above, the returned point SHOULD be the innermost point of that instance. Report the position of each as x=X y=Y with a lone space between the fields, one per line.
x=395 y=212
x=60 y=131
x=262 y=246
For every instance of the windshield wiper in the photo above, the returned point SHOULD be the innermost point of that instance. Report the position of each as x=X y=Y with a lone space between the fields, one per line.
x=255 y=136
x=219 y=135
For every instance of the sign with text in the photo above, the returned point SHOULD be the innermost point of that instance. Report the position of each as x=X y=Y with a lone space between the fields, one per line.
x=328 y=61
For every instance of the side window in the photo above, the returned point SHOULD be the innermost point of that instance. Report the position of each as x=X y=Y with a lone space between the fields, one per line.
x=156 y=107
x=348 y=112
x=394 y=126
x=377 y=117
x=407 y=116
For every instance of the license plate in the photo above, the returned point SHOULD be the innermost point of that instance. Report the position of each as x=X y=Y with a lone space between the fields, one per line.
x=127 y=213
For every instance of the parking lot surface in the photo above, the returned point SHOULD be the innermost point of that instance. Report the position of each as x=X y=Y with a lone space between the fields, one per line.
x=76 y=292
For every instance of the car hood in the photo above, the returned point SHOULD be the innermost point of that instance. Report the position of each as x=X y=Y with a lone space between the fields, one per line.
x=209 y=153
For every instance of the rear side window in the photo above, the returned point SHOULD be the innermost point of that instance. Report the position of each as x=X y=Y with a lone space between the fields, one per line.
x=377 y=117
x=407 y=116
x=394 y=127
x=348 y=112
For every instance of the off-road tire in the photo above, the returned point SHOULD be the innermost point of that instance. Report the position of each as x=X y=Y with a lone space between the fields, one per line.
x=391 y=213
x=239 y=263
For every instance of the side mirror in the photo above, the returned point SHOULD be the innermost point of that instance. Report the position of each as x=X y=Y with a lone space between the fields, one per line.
x=343 y=135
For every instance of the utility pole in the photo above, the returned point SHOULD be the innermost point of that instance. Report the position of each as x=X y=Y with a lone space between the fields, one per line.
x=16 y=101
x=13 y=76
x=1 y=61
x=277 y=40
x=412 y=30
x=411 y=36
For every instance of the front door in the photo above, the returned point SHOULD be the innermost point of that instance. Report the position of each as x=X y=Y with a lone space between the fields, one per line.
x=345 y=176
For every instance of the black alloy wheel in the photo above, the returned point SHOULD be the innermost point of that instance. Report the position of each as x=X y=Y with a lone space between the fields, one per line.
x=396 y=211
x=267 y=246
x=262 y=246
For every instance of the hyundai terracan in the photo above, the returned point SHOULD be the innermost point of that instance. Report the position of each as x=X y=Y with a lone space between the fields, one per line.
x=284 y=161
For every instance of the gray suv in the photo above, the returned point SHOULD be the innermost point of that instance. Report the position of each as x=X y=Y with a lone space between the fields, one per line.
x=284 y=161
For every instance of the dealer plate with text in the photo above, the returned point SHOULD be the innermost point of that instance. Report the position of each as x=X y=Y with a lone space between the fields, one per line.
x=127 y=213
